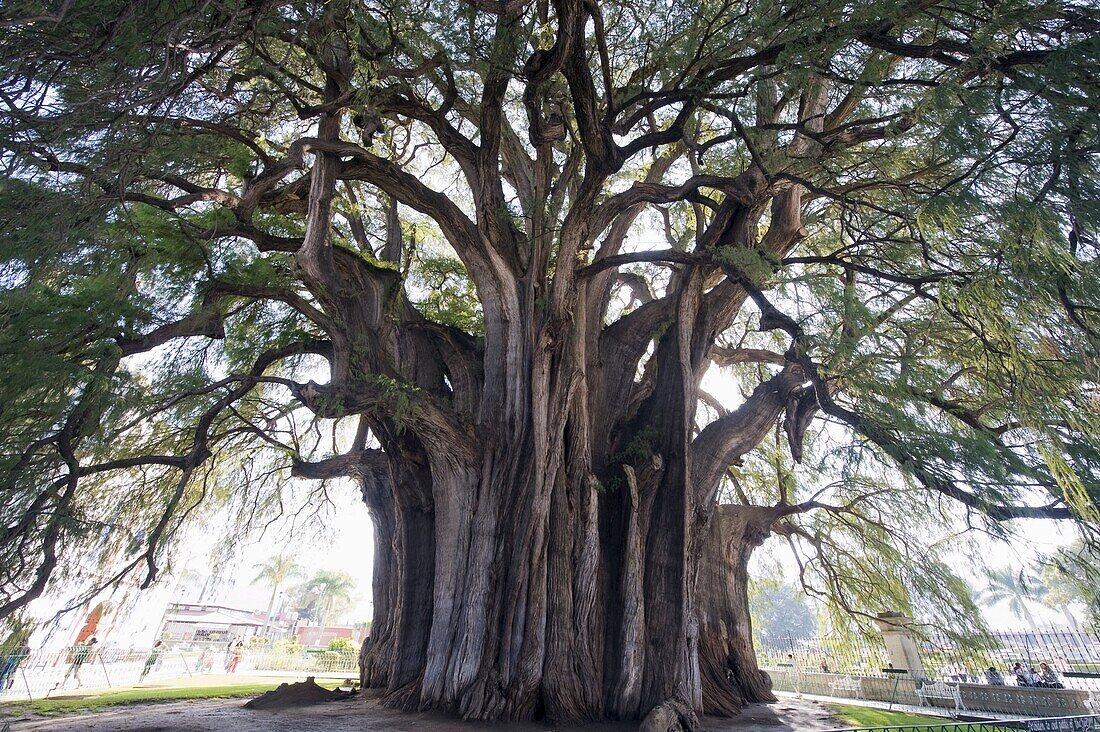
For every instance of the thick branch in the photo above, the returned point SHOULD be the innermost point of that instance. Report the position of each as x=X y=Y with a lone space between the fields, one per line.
x=725 y=440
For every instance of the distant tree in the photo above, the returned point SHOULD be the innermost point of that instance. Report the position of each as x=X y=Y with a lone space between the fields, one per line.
x=1070 y=576
x=778 y=609
x=188 y=584
x=15 y=631
x=276 y=571
x=1017 y=589
x=324 y=595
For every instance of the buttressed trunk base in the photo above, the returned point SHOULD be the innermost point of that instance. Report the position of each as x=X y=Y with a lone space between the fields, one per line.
x=492 y=609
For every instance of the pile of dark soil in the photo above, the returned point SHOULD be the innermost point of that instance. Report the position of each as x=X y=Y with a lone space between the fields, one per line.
x=298 y=694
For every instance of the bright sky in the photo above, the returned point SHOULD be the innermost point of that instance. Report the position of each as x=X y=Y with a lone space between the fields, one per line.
x=342 y=540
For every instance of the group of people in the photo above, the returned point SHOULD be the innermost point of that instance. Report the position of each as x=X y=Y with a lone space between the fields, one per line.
x=14 y=656
x=233 y=653
x=78 y=656
x=1046 y=677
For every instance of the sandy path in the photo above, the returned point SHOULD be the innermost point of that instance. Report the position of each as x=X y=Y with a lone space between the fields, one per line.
x=358 y=715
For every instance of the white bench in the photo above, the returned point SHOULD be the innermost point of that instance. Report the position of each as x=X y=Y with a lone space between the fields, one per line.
x=845 y=684
x=940 y=690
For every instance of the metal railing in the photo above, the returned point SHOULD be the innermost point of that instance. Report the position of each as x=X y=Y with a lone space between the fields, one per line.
x=44 y=674
x=953 y=679
x=1067 y=651
x=1078 y=723
x=862 y=655
x=1073 y=652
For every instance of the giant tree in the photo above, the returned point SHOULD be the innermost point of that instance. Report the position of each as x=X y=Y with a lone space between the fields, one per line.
x=482 y=256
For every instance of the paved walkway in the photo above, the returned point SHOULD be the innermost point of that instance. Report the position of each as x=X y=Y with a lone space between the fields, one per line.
x=358 y=715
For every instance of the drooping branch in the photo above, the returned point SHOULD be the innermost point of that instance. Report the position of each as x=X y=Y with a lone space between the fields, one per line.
x=893 y=447
x=207 y=322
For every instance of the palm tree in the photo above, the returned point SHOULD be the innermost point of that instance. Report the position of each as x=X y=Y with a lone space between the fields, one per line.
x=1069 y=577
x=1015 y=589
x=276 y=571
x=330 y=592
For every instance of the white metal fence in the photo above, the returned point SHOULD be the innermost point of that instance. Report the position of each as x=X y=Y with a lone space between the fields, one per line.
x=35 y=675
x=954 y=675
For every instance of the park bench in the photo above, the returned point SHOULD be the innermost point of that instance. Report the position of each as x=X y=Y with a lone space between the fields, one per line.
x=845 y=685
x=940 y=690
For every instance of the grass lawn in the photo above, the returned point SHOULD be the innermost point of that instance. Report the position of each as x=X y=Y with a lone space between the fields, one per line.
x=51 y=707
x=854 y=716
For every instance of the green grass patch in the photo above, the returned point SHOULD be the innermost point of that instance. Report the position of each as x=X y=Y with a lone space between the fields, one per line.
x=854 y=716
x=54 y=707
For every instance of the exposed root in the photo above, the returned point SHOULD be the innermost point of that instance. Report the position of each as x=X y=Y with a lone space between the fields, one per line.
x=673 y=715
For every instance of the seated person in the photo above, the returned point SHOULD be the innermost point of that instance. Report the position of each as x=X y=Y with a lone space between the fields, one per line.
x=1022 y=677
x=1048 y=677
x=993 y=677
x=1031 y=676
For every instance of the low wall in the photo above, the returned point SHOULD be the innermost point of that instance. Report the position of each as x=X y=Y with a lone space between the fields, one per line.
x=1015 y=700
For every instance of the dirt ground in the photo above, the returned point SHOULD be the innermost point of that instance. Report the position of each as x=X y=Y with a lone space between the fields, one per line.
x=362 y=715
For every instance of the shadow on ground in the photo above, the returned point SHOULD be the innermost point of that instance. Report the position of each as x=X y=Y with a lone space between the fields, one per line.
x=365 y=714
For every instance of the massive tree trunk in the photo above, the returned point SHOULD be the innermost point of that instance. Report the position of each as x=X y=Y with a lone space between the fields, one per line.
x=522 y=584
x=567 y=615
x=376 y=654
x=731 y=677
x=545 y=556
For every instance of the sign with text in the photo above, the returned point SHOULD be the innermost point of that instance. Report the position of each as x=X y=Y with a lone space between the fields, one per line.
x=1065 y=724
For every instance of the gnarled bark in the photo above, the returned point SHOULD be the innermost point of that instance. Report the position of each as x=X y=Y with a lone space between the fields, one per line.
x=730 y=675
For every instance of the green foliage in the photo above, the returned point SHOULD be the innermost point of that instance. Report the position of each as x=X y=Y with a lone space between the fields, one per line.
x=341 y=644
x=637 y=450
x=14 y=632
x=289 y=646
x=277 y=571
x=748 y=262
x=324 y=595
x=1070 y=576
x=444 y=293
x=1015 y=588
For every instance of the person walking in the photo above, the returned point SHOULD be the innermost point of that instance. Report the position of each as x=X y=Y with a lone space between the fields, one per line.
x=7 y=672
x=79 y=656
x=153 y=660
x=234 y=657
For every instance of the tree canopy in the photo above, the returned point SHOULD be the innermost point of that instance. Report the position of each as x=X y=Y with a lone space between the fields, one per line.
x=540 y=264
